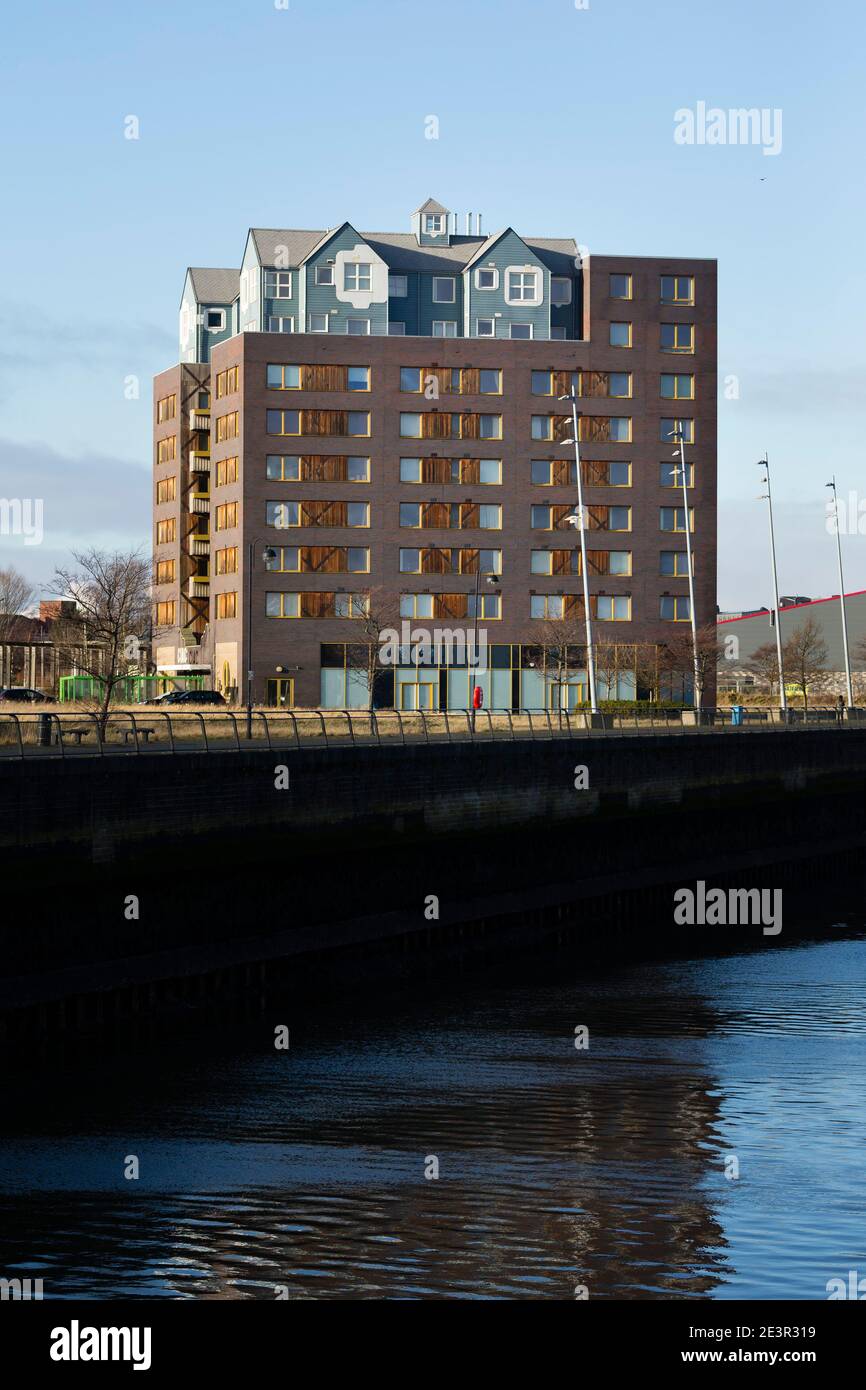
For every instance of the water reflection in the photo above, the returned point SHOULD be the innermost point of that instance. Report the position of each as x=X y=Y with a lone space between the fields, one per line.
x=557 y=1167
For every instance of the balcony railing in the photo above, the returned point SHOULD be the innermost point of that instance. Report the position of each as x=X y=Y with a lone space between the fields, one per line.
x=198 y=461
x=197 y=547
x=201 y=505
x=199 y=419
x=197 y=587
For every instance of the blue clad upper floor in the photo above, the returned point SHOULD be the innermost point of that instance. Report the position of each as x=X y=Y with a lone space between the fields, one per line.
x=429 y=282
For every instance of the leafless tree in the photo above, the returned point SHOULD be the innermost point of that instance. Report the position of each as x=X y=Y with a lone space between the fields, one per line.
x=16 y=594
x=805 y=657
x=679 y=657
x=764 y=663
x=369 y=654
x=111 y=590
x=561 y=644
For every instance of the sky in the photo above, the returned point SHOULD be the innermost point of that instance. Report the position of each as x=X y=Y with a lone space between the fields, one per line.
x=555 y=117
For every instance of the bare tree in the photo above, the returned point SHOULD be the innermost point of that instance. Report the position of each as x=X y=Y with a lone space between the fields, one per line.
x=16 y=594
x=805 y=657
x=680 y=656
x=375 y=626
x=764 y=663
x=111 y=591
x=562 y=649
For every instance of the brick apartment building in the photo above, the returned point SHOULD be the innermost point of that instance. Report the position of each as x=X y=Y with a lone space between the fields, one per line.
x=373 y=421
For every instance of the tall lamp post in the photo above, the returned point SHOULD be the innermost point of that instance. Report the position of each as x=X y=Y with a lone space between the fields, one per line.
x=493 y=580
x=768 y=496
x=681 y=469
x=578 y=519
x=832 y=486
x=268 y=555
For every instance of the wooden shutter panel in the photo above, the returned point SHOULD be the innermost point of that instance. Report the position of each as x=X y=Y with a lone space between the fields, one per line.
x=562 y=428
x=451 y=605
x=436 y=560
x=595 y=428
x=470 y=470
x=597 y=518
x=469 y=515
x=594 y=383
x=469 y=381
x=598 y=561
x=561 y=383
x=469 y=560
x=559 y=472
x=434 y=514
x=594 y=473
x=561 y=562
x=558 y=512
x=469 y=425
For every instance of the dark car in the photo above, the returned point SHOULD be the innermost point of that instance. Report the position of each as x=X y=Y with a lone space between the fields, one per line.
x=25 y=695
x=189 y=697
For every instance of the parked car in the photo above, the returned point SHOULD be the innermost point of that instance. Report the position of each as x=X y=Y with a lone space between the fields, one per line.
x=189 y=697
x=25 y=695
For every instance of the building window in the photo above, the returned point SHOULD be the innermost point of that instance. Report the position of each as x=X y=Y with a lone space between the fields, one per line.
x=226 y=560
x=358 y=277
x=677 y=289
x=546 y=606
x=669 y=428
x=674 y=519
x=226 y=471
x=557 y=333
x=227 y=382
x=620 y=335
x=165 y=571
x=444 y=289
x=490 y=381
x=521 y=287
x=319 y=323
x=620 y=429
x=357 y=327
x=227 y=604
x=521 y=330
x=485 y=328
x=318 y=422
x=324 y=275
x=620 y=286
x=396 y=330
x=677 y=386
x=677 y=337
x=226 y=516
x=278 y=284
x=619 y=384
x=280 y=324
x=542 y=427
x=398 y=286
x=166 y=531
x=165 y=614
x=670 y=474
x=166 y=409
x=227 y=426
x=166 y=449
x=489 y=606
x=613 y=608
x=444 y=328
x=434 y=223
x=282 y=605
x=166 y=490
x=487 y=278
x=560 y=289
x=416 y=605
x=675 y=609
x=283 y=468
x=216 y=320
x=558 y=562
x=674 y=563
x=351 y=605
x=281 y=377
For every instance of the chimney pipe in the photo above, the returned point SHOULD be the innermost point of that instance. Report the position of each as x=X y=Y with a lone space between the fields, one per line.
x=468 y=223
x=478 y=223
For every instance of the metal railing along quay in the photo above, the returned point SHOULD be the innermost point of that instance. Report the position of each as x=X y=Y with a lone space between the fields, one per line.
x=130 y=733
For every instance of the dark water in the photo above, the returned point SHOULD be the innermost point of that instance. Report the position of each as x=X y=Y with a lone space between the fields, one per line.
x=557 y=1167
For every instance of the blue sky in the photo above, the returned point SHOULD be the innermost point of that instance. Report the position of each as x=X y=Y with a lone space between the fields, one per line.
x=555 y=119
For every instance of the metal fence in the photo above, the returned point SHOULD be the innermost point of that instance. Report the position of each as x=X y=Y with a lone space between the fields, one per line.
x=62 y=735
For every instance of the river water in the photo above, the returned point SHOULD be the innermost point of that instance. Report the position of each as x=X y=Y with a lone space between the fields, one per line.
x=303 y=1173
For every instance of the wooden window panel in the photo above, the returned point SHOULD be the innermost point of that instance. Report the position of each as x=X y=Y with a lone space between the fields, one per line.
x=451 y=605
x=469 y=560
x=469 y=515
x=594 y=383
x=436 y=560
x=435 y=514
x=560 y=561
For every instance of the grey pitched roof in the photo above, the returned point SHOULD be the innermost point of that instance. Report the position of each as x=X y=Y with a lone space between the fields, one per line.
x=297 y=244
x=402 y=252
x=214 y=286
x=431 y=205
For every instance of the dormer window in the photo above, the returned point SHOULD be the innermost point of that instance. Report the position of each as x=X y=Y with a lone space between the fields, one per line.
x=434 y=223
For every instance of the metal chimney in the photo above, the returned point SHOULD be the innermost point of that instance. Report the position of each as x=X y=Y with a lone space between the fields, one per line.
x=468 y=223
x=478 y=223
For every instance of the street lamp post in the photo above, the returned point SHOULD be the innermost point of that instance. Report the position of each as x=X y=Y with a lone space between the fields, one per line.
x=579 y=520
x=680 y=437
x=832 y=486
x=268 y=554
x=765 y=464
x=492 y=579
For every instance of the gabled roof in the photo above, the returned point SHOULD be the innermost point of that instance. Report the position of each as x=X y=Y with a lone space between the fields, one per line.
x=430 y=206
x=214 y=286
x=298 y=244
